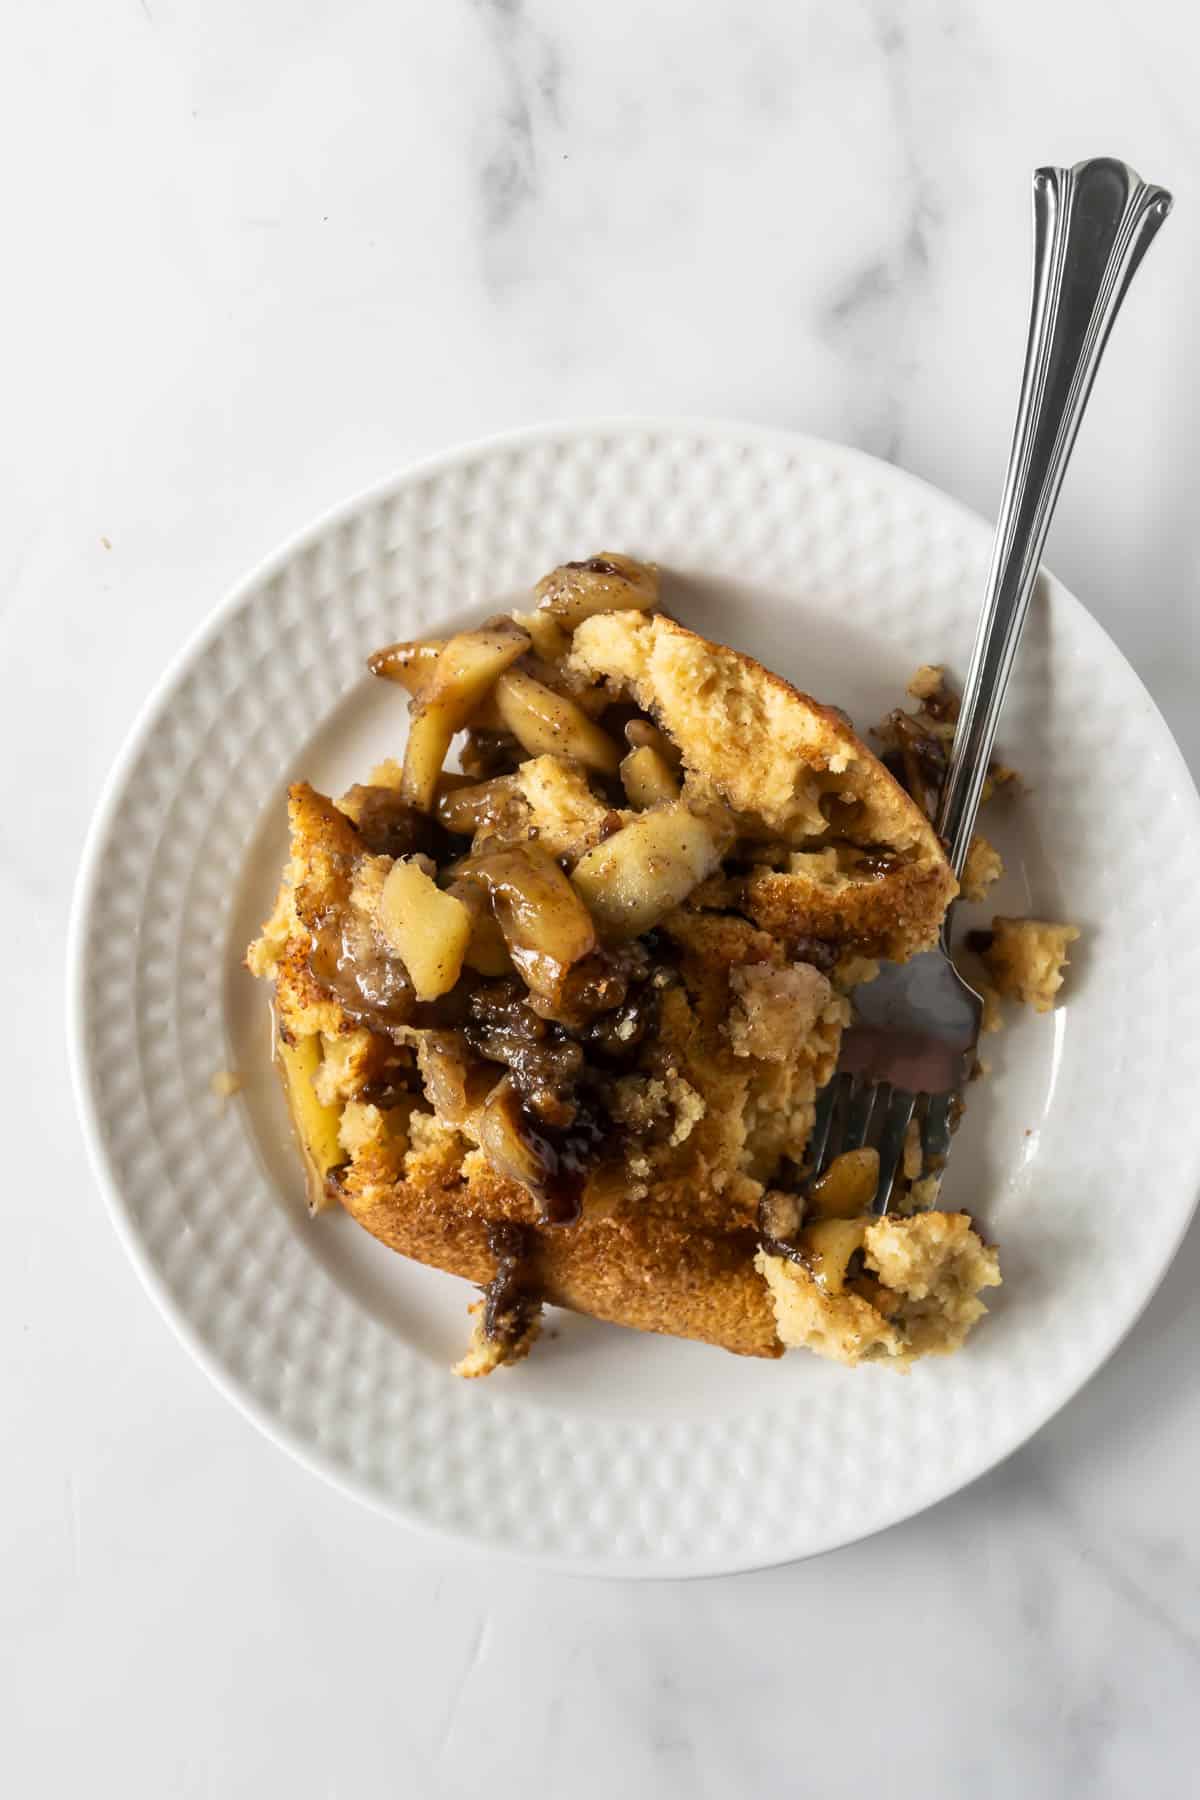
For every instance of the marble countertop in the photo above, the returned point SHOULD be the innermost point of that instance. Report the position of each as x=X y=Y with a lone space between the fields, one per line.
x=259 y=256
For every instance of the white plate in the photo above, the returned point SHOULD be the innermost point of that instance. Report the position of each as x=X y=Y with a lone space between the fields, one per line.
x=609 y=1450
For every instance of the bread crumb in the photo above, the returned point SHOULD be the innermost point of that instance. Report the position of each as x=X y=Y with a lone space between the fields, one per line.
x=226 y=1083
x=485 y=1354
x=669 y=1102
x=689 y=1108
x=365 y=1127
x=929 y=680
x=851 y=970
x=982 y=867
x=997 y=780
x=567 y=815
x=819 y=866
x=1026 y=959
x=342 y=1071
x=993 y=1011
x=387 y=774
x=774 y=1011
x=939 y=1264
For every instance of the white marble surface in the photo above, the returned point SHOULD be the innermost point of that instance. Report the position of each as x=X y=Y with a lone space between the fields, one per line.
x=259 y=255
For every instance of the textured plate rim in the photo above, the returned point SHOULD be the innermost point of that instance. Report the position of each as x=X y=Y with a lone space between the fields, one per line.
x=112 y=791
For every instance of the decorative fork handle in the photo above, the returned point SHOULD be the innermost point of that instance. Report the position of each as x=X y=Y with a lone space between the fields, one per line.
x=1092 y=226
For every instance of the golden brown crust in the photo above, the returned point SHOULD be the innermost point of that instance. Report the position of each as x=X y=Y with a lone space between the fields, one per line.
x=302 y=1006
x=892 y=916
x=651 y=1273
x=325 y=845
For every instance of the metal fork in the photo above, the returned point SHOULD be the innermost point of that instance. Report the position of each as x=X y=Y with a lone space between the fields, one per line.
x=909 y=1049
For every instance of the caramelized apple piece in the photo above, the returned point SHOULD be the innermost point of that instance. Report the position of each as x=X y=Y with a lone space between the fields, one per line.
x=455 y=1084
x=848 y=1185
x=487 y=953
x=428 y=930
x=505 y=1142
x=545 y=924
x=411 y=666
x=316 y=1124
x=604 y=583
x=636 y=877
x=550 y=641
x=464 y=805
x=828 y=1246
x=640 y=734
x=648 y=779
x=466 y=669
x=546 y=723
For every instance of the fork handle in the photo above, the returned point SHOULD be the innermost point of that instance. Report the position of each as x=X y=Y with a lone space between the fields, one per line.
x=1092 y=226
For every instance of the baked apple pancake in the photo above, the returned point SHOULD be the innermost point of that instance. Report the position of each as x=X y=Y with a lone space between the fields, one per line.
x=554 y=1018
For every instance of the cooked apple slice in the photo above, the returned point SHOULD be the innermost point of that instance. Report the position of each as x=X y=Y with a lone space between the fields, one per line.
x=464 y=805
x=505 y=1141
x=648 y=779
x=487 y=953
x=828 y=1246
x=316 y=1124
x=636 y=877
x=545 y=723
x=641 y=734
x=455 y=1083
x=428 y=930
x=467 y=667
x=550 y=641
x=604 y=583
x=847 y=1187
x=546 y=925
x=411 y=666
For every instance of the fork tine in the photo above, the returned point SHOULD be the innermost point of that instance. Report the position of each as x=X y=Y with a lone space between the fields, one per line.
x=858 y=1119
x=819 y=1137
x=937 y=1126
x=891 y=1146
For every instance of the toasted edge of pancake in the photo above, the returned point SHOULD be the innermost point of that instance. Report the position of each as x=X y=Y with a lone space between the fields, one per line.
x=645 y=1271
